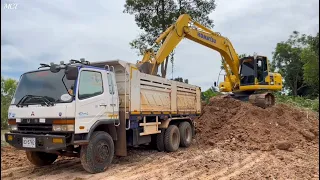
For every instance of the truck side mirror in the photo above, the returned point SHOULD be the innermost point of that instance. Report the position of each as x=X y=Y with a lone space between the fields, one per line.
x=215 y=84
x=71 y=72
x=54 y=68
x=259 y=63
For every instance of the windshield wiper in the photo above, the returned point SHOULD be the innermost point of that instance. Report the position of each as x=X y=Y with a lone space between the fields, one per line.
x=46 y=101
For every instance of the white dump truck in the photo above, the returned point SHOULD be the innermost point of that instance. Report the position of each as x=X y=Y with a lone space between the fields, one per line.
x=96 y=110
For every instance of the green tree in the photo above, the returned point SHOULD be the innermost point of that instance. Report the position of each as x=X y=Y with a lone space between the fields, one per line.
x=8 y=87
x=287 y=61
x=297 y=60
x=310 y=58
x=243 y=55
x=240 y=56
x=206 y=95
x=180 y=79
x=155 y=16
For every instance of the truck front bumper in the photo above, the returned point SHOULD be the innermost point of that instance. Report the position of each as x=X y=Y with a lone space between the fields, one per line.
x=44 y=143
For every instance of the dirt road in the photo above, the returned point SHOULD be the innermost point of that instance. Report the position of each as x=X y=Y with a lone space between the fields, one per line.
x=234 y=141
x=192 y=163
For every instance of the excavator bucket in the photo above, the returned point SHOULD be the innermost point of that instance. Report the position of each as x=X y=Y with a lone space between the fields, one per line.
x=264 y=100
x=145 y=67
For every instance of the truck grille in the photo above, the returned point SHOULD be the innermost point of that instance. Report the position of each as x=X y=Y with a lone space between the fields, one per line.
x=33 y=125
x=34 y=128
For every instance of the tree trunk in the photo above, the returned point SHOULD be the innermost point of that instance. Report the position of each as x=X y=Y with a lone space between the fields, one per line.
x=295 y=87
x=163 y=67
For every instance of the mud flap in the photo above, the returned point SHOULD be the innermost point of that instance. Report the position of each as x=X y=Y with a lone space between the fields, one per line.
x=121 y=143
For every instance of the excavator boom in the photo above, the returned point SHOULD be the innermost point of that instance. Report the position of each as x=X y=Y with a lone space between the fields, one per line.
x=186 y=28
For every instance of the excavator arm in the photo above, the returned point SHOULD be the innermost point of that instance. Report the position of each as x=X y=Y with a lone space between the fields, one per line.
x=186 y=28
x=247 y=78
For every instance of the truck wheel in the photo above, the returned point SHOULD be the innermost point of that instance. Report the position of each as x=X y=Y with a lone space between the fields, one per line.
x=41 y=158
x=172 y=138
x=160 y=140
x=185 y=134
x=98 y=154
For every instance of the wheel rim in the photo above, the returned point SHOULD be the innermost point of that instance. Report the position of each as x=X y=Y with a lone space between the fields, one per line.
x=188 y=134
x=174 y=138
x=101 y=152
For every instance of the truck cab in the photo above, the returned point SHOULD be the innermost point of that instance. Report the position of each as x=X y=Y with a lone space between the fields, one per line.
x=93 y=111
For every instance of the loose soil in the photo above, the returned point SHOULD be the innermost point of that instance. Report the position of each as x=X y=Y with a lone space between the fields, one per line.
x=234 y=140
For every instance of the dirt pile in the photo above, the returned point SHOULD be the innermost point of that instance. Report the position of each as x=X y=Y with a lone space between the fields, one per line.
x=11 y=158
x=233 y=124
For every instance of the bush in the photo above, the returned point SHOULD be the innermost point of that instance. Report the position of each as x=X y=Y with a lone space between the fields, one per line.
x=211 y=92
x=299 y=101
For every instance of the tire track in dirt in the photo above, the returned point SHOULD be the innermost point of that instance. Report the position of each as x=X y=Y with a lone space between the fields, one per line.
x=139 y=169
x=33 y=172
x=192 y=170
x=225 y=171
x=172 y=171
x=151 y=169
x=214 y=159
x=193 y=163
x=242 y=169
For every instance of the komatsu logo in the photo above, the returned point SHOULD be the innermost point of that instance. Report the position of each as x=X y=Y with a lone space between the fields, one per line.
x=206 y=37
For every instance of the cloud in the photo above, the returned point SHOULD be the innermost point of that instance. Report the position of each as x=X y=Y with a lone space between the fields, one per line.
x=52 y=31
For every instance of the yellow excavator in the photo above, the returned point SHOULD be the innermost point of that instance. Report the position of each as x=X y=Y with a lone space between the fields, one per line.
x=247 y=79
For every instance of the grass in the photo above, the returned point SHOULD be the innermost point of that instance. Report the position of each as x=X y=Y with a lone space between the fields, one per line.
x=3 y=141
x=299 y=102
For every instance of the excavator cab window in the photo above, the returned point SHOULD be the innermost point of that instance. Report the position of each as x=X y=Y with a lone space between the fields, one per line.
x=247 y=71
x=262 y=70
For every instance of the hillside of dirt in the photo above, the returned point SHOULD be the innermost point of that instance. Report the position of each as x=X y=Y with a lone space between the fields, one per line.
x=234 y=140
x=233 y=124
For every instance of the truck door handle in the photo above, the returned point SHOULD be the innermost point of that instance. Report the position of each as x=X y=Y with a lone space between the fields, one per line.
x=103 y=104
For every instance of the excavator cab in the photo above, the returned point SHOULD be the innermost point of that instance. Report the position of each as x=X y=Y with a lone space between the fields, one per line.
x=247 y=71
x=253 y=71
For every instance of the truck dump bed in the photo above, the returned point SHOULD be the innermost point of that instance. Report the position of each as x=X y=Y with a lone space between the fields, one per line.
x=140 y=93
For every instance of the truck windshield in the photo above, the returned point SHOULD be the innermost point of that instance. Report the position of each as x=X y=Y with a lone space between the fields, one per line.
x=45 y=84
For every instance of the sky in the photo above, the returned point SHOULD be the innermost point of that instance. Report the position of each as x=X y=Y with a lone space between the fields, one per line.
x=37 y=31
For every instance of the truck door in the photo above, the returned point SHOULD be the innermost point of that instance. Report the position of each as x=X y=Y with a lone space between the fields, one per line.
x=91 y=98
x=114 y=98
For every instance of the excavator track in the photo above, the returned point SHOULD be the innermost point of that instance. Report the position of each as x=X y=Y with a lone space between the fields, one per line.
x=263 y=100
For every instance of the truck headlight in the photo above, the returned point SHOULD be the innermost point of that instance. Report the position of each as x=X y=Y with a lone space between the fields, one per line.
x=13 y=127
x=68 y=127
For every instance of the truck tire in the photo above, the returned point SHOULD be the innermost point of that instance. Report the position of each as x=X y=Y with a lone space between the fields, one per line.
x=160 y=140
x=185 y=134
x=172 y=138
x=98 y=154
x=41 y=158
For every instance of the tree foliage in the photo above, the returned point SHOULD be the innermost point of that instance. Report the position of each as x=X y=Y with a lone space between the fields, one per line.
x=240 y=56
x=297 y=61
x=180 y=79
x=310 y=58
x=155 y=16
x=206 y=95
x=8 y=87
x=243 y=55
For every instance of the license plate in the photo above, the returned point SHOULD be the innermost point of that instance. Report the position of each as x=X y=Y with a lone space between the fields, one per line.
x=29 y=142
